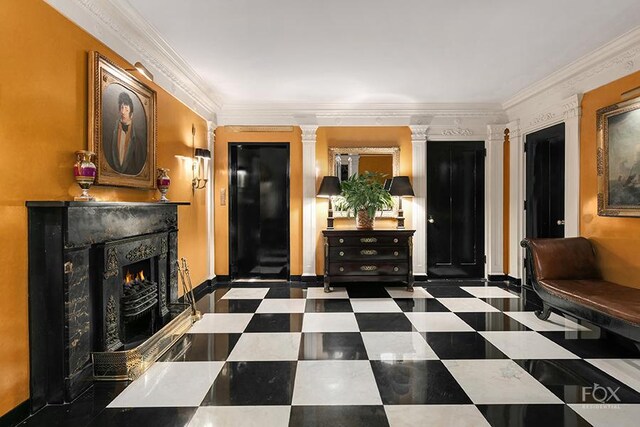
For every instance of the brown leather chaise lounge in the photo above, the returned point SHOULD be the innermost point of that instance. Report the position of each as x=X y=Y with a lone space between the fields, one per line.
x=565 y=276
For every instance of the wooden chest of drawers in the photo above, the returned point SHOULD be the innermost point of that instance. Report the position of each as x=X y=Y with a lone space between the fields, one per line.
x=368 y=256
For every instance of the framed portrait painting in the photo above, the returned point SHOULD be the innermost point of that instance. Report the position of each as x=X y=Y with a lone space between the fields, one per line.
x=122 y=125
x=618 y=159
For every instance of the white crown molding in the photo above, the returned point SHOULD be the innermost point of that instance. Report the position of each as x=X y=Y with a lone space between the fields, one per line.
x=118 y=25
x=613 y=60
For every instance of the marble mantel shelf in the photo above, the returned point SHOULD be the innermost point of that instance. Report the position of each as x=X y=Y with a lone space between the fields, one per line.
x=96 y=204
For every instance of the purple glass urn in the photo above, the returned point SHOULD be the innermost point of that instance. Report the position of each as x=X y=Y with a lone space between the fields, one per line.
x=163 y=181
x=84 y=172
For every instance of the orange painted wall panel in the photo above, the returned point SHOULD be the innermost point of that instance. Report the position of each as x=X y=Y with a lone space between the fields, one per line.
x=43 y=106
x=226 y=135
x=617 y=240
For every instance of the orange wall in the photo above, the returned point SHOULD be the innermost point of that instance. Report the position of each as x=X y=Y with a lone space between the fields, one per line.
x=43 y=106
x=617 y=240
x=226 y=135
x=382 y=164
x=399 y=136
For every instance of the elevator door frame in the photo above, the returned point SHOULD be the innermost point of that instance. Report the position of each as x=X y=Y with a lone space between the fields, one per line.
x=230 y=191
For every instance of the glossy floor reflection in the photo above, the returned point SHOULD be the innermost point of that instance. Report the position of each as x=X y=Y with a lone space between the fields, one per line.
x=451 y=353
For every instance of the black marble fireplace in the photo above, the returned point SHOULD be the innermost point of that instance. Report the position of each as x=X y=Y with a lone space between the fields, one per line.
x=101 y=277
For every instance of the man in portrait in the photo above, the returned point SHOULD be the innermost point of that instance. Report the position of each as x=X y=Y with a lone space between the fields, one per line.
x=125 y=151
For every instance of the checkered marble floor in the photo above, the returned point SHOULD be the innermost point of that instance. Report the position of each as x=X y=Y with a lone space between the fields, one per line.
x=446 y=354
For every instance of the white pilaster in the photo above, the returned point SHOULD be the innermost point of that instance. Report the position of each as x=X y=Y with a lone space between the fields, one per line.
x=516 y=198
x=494 y=199
x=572 y=113
x=309 y=200
x=211 y=258
x=419 y=167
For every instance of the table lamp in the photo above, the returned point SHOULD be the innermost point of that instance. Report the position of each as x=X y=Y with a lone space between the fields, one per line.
x=401 y=187
x=329 y=187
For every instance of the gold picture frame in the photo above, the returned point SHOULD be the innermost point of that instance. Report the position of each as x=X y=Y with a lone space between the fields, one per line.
x=122 y=126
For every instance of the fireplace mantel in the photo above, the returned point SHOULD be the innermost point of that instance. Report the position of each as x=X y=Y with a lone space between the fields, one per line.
x=67 y=242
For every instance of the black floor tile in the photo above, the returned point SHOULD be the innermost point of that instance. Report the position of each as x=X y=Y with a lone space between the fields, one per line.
x=590 y=348
x=382 y=322
x=506 y=304
x=208 y=305
x=366 y=290
x=332 y=346
x=577 y=381
x=492 y=322
x=338 y=416
x=448 y=291
x=136 y=417
x=420 y=305
x=275 y=322
x=328 y=306
x=253 y=383
x=531 y=416
x=462 y=345
x=201 y=348
x=285 y=292
x=417 y=382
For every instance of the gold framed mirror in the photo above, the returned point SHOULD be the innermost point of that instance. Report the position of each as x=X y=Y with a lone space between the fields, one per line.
x=344 y=162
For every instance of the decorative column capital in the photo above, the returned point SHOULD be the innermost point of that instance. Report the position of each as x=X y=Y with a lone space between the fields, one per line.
x=495 y=133
x=571 y=107
x=419 y=133
x=308 y=133
x=211 y=132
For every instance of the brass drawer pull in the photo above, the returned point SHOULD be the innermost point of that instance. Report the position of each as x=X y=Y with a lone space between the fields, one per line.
x=368 y=252
x=368 y=267
x=341 y=240
x=341 y=253
x=341 y=269
x=395 y=240
x=396 y=253
x=368 y=240
x=395 y=269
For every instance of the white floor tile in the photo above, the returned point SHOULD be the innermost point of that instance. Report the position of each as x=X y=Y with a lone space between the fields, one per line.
x=397 y=346
x=438 y=322
x=241 y=416
x=335 y=382
x=418 y=292
x=221 y=322
x=266 y=347
x=488 y=292
x=435 y=415
x=246 y=293
x=374 y=305
x=281 y=305
x=526 y=345
x=608 y=415
x=624 y=370
x=466 y=305
x=319 y=293
x=554 y=323
x=176 y=384
x=329 y=322
x=489 y=382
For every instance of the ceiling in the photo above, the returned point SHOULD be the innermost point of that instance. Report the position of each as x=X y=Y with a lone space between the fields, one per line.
x=364 y=51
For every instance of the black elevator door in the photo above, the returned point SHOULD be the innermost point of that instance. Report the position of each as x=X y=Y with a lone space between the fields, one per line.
x=455 y=209
x=259 y=211
x=545 y=183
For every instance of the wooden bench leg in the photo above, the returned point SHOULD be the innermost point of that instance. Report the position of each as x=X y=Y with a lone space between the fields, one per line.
x=544 y=313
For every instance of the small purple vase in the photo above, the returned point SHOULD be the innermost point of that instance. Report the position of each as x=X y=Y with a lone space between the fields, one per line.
x=163 y=181
x=84 y=172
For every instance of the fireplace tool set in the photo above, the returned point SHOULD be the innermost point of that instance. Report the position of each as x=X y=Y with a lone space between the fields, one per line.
x=187 y=287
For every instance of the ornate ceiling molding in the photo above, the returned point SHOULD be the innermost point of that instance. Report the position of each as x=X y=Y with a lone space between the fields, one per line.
x=120 y=26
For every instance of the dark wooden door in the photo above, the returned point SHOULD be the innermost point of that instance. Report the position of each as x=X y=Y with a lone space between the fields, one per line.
x=544 y=202
x=455 y=209
x=259 y=211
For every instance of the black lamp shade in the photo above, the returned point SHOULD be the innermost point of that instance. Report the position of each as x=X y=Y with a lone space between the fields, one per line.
x=202 y=152
x=401 y=186
x=387 y=184
x=330 y=186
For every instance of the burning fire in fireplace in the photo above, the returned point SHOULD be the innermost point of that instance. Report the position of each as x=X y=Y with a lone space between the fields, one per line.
x=130 y=279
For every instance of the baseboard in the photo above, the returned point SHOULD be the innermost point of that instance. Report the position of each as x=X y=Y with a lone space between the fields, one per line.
x=513 y=281
x=420 y=278
x=295 y=278
x=16 y=415
x=200 y=290
x=221 y=279
x=498 y=278
x=313 y=279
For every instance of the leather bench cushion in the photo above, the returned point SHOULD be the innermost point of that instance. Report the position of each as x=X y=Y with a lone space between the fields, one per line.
x=607 y=297
x=571 y=258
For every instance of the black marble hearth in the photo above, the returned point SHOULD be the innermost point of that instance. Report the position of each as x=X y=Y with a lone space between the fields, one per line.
x=79 y=255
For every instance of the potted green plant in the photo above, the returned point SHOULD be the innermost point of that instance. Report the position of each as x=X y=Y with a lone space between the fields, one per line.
x=364 y=194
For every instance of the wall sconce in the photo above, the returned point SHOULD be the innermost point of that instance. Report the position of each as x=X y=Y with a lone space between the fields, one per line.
x=141 y=69
x=401 y=187
x=201 y=157
x=329 y=187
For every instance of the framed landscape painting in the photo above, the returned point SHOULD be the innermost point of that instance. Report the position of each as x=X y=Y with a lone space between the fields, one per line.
x=122 y=125
x=618 y=159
